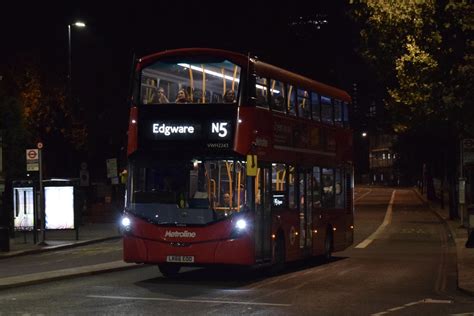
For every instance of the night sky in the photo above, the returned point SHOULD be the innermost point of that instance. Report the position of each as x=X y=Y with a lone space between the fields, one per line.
x=102 y=52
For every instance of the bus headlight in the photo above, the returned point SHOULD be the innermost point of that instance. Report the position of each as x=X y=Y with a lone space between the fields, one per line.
x=241 y=224
x=126 y=223
x=240 y=228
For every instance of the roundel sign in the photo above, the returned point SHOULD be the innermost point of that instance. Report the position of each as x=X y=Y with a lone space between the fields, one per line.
x=468 y=143
x=32 y=154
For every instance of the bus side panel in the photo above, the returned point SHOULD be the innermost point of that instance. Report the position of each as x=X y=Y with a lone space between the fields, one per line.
x=236 y=251
x=289 y=223
x=350 y=206
x=134 y=250
x=337 y=219
x=319 y=232
x=244 y=135
x=132 y=131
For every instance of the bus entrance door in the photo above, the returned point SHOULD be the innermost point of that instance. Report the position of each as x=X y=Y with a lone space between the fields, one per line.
x=263 y=218
x=305 y=187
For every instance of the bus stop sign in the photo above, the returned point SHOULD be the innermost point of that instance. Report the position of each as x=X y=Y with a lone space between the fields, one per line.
x=468 y=151
x=32 y=160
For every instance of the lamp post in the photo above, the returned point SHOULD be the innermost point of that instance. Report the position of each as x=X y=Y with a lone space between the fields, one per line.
x=69 y=73
x=365 y=155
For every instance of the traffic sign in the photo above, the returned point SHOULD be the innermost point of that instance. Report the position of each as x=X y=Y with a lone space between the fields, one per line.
x=111 y=167
x=468 y=150
x=39 y=145
x=32 y=160
x=32 y=154
x=32 y=167
x=84 y=178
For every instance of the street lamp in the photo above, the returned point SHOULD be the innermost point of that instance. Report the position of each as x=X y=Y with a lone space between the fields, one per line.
x=69 y=74
x=364 y=134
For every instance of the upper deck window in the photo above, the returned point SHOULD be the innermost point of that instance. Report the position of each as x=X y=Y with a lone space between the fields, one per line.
x=345 y=111
x=261 y=92
x=304 y=104
x=277 y=95
x=291 y=108
x=326 y=110
x=315 y=104
x=185 y=80
x=338 y=113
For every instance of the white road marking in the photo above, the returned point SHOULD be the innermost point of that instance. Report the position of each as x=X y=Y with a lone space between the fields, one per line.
x=187 y=301
x=386 y=222
x=425 y=301
x=360 y=197
x=431 y=301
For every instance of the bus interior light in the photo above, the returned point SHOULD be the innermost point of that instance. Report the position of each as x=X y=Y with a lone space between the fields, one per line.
x=209 y=72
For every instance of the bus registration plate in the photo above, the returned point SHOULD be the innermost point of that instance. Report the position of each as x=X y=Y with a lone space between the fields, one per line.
x=183 y=259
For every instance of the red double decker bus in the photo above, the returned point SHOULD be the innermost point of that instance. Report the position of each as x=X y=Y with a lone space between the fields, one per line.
x=234 y=161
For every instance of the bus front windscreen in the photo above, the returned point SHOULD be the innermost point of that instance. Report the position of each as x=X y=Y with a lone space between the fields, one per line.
x=195 y=192
x=185 y=80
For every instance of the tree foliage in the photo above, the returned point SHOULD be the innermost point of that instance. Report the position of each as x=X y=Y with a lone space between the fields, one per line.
x=33 y=108
x=422 y=52
x=47 y=111
x=15 y=136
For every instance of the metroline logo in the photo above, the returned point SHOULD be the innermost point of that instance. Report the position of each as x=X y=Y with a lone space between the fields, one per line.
x=184 y=234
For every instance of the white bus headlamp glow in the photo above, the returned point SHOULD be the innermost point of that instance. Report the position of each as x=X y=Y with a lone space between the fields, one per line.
x=126 y=223
x=241 y=224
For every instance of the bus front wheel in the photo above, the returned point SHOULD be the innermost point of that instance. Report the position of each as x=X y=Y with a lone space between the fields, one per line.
x=169 y=270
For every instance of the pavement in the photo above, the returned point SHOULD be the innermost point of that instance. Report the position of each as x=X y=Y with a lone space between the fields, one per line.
x=465 y=256
x=22 y=245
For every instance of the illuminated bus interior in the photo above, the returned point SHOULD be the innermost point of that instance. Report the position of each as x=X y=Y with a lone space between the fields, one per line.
x=202 y=81
x=197 y=192
x=295 y=101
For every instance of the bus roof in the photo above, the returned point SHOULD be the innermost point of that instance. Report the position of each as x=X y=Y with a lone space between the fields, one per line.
x=232 y=56
x=262 y=68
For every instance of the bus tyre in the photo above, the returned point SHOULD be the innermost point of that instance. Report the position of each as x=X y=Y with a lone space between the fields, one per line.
x=279 y=253
x=328 y=245
x=169 y=270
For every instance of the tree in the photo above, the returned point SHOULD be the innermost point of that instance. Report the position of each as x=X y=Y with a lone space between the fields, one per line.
x=422 y=52
x=48 y=116
x=15 y=137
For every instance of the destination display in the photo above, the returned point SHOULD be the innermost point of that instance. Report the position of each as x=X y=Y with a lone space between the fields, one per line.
x=211 y=134
x=219 y=130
